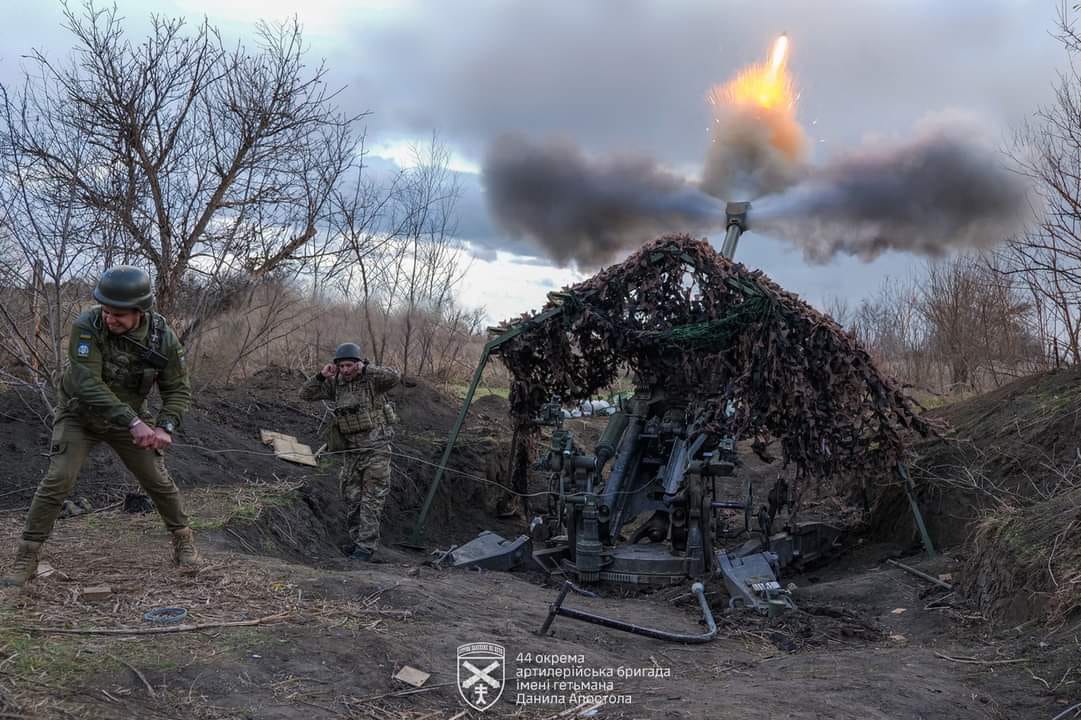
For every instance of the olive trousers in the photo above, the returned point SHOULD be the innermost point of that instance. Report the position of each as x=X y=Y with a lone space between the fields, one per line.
x=71 y=443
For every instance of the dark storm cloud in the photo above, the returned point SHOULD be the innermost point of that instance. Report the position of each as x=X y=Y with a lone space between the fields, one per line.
x=632 y=77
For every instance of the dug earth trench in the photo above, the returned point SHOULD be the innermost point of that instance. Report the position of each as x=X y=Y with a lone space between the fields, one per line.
x=281 y=625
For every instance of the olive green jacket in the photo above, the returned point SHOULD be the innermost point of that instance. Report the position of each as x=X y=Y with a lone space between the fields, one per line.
x=107 y=379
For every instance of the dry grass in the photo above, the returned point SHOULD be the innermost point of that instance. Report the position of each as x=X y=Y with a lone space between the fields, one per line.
x=49 y=675
x=1032 y=555
x=198 y=674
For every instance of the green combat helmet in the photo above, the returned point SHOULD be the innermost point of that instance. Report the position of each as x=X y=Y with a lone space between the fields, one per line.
x=124 y=286
x=347 y=351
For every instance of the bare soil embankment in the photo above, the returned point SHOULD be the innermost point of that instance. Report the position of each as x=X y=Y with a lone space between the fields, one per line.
x=868 y=642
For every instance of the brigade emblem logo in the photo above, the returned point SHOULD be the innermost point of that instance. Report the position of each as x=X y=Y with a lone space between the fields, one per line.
x=481 y=674
x=82 y=349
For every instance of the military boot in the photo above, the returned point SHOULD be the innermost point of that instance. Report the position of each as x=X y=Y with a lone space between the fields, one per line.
x=184 y=553
x=26 y=564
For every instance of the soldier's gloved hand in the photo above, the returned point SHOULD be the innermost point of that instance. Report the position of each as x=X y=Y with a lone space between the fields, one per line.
x=142 y=435
x=162 y=439
x=330 y=370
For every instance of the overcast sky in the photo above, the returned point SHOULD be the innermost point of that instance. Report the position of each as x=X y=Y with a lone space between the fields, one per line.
x=631 y=76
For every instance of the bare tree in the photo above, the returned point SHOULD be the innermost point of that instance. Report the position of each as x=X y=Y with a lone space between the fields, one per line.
x=1045 y=261
x=978 y=325
x=958 y=324
x=432 y=256
x=890 y=326
x=48 y=247
x=366 y=224
x=840 y=309
x=399 y=259
x=210 y=158
x=273 y=312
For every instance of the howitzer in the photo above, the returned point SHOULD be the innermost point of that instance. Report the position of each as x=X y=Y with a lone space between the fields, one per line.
x=663 y=512
x=735 y=226
x=657 y=500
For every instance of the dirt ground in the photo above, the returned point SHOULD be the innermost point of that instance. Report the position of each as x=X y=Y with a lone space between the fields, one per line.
x=869 y=641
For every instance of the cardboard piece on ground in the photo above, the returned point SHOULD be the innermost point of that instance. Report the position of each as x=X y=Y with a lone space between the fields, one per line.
x=98 y=592
x=412 y=676
x=293 y=451
x=287 y=447
x=269 y=435
x=898 y=611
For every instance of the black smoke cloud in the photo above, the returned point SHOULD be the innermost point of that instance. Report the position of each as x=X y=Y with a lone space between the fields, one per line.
x=941 y=190
x=588 y=211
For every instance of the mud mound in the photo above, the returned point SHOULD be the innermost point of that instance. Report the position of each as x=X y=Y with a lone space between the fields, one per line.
x=1018 y=440
x=1027 y=564
x=476 y=469
x=24 y=445
x=468 y=495
x=493 y=406
x=1004 y=488
x=477 y=472
x=306 y=525
x=423 y=409
x=1011 y=448
x=219 y=443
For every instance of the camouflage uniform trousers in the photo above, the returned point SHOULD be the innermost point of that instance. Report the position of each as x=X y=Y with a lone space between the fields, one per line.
x=365 y=483
x=71 y=443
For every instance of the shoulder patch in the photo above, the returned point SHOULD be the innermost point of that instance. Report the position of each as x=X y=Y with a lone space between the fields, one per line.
x=82 y=349
x=182 y=359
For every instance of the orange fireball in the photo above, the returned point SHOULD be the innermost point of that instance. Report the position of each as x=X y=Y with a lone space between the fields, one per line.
x=756 y=145
x=765 y=85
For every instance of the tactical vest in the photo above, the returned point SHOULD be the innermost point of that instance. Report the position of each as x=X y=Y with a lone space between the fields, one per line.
x=127 y=364
x=355 y=410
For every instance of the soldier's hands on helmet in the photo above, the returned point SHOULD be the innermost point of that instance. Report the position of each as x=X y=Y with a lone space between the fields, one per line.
x=330 y=370
x=142 y=435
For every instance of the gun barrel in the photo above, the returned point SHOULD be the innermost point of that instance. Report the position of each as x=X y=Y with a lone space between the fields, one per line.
x=736 y=214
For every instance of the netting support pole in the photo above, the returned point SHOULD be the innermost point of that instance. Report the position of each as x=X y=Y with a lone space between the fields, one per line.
x=910 y=491
x=417 y=536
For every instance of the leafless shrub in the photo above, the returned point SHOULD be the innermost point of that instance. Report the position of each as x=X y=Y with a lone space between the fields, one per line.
x=956 y=326
x=231 y=174
x=183 y=154
x=280 y=325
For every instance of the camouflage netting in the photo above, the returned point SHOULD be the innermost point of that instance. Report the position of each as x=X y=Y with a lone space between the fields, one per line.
x=679 y=313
